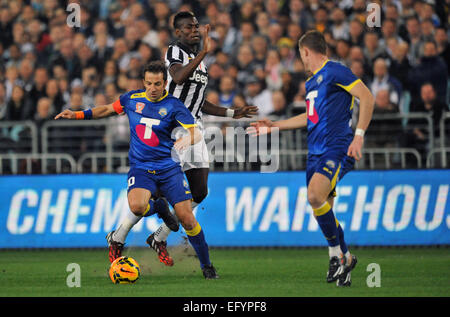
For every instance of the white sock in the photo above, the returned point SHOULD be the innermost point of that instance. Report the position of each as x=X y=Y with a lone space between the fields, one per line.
x=120 y=234
x=162 y=233
x=334 y=251
x=348 y=257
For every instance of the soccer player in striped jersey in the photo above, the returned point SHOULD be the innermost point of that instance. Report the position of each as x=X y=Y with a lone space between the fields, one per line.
x=332 y=147
x=153 y=115
x=188 y=79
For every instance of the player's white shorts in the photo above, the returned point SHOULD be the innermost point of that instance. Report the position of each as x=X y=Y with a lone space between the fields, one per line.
x=196 y=156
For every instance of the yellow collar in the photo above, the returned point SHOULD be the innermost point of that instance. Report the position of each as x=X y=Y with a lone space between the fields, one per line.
x=163 y=96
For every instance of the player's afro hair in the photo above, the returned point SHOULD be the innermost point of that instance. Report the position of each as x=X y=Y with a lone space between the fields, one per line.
x=181 y=16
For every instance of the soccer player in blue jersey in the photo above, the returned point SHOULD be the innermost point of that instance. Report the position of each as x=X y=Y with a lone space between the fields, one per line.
x=332 y=147
x=153 y=116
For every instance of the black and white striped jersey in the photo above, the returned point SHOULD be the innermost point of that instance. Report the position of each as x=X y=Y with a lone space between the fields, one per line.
x=192 y=91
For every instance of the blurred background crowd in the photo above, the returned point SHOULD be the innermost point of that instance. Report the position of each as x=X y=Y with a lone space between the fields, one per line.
x=47 y=65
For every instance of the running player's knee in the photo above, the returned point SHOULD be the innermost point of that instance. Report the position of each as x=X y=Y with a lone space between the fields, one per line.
x=138 y=208
x=315 y=199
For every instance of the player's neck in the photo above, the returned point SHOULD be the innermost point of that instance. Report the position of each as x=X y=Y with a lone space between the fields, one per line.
x=318 y=63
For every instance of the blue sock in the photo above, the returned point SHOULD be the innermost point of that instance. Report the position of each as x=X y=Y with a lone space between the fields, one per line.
x=344 y=248
x=151 y=210
x=198 y=242
x=327 y=223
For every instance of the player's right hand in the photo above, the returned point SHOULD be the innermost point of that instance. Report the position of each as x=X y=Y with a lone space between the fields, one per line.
x=66 y=114
x=263 y=126
x=206 y=39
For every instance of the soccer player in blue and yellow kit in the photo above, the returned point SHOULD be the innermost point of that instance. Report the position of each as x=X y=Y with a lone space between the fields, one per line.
x=332 y=148
x=153 y=116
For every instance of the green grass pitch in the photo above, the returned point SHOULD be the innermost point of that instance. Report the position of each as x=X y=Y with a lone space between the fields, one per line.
x=243 y=273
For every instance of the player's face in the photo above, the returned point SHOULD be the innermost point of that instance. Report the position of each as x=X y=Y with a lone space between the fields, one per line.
x=155 y=85
x=189 y=31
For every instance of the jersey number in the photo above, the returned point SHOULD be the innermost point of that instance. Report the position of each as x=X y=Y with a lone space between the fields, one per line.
x=311 y=111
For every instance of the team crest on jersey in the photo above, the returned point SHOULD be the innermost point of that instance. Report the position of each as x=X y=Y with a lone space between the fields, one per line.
x=319 y=79
x=185 y=184
x=162 y=112
x=330 y=164
x=139 y=107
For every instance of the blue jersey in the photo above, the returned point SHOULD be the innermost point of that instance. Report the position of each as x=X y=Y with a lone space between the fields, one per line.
x=329 y=108
x=151 y=126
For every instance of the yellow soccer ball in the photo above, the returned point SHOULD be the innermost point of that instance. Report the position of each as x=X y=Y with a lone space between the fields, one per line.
x=124 y=270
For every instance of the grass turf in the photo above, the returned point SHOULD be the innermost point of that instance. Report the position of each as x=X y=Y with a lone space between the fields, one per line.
x=243 y=273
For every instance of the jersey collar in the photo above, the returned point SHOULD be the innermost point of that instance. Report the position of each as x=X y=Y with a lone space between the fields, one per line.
x=319 y=69
x=165 y=94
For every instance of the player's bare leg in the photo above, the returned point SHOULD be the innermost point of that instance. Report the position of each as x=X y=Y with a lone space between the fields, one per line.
x=196 y=237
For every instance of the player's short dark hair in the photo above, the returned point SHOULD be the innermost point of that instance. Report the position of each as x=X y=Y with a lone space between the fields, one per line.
x=155 y=67
x=315 y=41
x=181 y=16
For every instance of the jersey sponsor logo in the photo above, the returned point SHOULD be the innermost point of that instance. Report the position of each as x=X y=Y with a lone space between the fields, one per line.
x=145 y=133
x=199 y=78
x=311 y=110
x=139 y=107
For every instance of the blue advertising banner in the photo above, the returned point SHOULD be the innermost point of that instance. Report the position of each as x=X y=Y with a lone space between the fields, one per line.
x=242 y=209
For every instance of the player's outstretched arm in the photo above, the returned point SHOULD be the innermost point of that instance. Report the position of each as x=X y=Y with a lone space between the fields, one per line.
x=265 y=126
x=246 y=111
x=94 y=113
x=366 y=104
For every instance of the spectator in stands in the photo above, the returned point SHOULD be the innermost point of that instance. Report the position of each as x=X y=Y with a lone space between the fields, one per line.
x=384 y=81
x=259 y=46
x=279 y=104
x=256 y=95
x=244 y=63
x=68 y=59
x=286 y=49
x=54 y=94
x=430 y=103
x=400 y=65
x=356 y=33
x=417 y=134
x=384 y=131
x=40 y=80
x=18 y=107
x=430 y=69
x=443 y=47
x=227 y=91
x=273 y=69
x=340 y=27
x=414 y=38
x=372 y=49
x=2 y=101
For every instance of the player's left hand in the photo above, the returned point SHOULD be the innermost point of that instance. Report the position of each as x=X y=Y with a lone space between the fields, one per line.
x=182 y=144
x=355 y=148
x=245 y=112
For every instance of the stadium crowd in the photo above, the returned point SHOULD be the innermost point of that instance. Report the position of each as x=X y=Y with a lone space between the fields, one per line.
x=48 y=65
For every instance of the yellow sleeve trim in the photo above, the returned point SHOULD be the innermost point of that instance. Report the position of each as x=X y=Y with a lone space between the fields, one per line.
x=349 y=87
x=194 y=231
x=138 y=95
x=187 y=126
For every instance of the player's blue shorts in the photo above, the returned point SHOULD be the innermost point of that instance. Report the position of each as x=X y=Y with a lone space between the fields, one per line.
x=334 y=164
x=170 y=183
